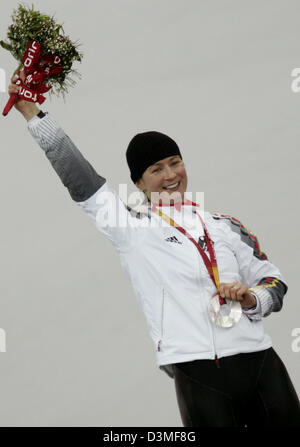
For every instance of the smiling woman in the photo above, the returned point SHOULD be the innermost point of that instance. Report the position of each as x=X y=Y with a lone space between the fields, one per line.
x=225 y=371
x=156 y=166
x=161 y=180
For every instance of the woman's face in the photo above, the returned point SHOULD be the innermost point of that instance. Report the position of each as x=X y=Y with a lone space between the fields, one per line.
x=158 y=178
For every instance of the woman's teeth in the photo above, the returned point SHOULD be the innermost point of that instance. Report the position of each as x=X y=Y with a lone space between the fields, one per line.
x=172 y=186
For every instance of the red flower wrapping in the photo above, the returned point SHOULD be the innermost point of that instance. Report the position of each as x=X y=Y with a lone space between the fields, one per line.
x=37 y=69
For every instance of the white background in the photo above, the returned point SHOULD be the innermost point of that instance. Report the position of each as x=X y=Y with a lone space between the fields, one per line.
x=216 y=77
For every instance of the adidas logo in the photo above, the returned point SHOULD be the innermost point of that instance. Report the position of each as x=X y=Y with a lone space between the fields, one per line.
x=173 y=239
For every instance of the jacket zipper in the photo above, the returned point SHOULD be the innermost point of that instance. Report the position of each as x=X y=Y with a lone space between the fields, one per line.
x=214 y=342
x=162 y=327
x=161 y=321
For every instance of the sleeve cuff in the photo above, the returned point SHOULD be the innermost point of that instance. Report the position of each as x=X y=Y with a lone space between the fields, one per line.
x=264 y=303
x=256 y=308
x=46 y=131
x=36 y=118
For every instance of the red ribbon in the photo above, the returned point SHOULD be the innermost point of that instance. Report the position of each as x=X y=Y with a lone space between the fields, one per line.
x=211 y=264
x=36 y=69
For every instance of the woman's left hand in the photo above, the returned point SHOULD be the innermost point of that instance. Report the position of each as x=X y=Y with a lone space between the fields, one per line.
x=239 y=292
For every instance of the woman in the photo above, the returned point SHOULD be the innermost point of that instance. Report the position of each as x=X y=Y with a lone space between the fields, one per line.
x=182 y=265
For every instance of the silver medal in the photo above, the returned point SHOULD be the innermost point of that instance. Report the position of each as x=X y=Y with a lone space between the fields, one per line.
x=225 y=315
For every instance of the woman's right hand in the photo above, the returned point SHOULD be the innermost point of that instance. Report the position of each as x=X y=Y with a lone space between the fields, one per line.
x=28 y=109
x=13 y=88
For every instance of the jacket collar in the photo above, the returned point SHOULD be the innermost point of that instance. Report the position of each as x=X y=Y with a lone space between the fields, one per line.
x=177 y=205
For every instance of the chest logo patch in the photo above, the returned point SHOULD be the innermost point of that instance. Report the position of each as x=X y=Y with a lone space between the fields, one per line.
x=173 y=239
x=202 y=243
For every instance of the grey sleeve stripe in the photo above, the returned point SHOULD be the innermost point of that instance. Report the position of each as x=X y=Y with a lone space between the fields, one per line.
x=48 y=130
x=75 y=172
x=45 y=131
x=277 y=290
x=246 y=236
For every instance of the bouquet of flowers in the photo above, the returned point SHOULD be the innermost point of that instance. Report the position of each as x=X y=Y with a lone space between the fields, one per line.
x=45 y=55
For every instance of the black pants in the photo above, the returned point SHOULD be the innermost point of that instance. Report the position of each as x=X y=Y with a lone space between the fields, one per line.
x=252 y=390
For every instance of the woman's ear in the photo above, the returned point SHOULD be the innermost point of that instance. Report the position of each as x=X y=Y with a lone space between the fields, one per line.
x=140 y=184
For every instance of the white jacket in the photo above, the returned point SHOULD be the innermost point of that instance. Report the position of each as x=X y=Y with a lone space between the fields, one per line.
x=165 y=268
x=172 y=283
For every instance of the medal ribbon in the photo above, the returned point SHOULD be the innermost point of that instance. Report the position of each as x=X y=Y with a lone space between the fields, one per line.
x=36 y=69
x=211 y=264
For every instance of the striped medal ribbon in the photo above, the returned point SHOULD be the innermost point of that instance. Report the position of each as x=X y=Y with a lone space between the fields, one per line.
x=223 y=312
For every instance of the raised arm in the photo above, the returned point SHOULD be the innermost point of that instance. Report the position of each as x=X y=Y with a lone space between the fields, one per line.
x=75 y=172
x=87 y=188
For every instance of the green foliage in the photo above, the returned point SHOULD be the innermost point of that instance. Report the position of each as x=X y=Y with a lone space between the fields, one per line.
x=28 y=24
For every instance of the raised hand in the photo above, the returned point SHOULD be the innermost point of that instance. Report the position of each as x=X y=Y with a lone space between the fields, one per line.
x=28 y=109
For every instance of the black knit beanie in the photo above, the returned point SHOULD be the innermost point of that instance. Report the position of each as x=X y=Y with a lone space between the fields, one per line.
x=147 y=148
